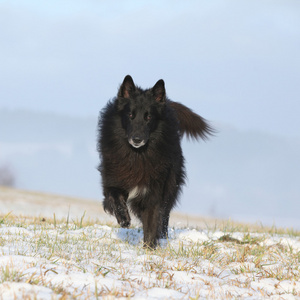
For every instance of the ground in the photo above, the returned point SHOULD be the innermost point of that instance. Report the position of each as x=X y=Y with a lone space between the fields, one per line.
x=80 y=255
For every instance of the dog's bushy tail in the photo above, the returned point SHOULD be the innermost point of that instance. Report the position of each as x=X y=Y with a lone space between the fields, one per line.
x=190 y=123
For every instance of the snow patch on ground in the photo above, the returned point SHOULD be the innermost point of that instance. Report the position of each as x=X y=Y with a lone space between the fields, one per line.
x=99 y=261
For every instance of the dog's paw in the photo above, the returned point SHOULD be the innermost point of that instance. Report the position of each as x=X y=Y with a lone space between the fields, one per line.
x=125 y=223
x=123 y=219
x=151 y=245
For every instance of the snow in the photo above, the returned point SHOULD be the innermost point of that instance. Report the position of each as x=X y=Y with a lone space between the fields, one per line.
x=101 y=261
x=20 y=290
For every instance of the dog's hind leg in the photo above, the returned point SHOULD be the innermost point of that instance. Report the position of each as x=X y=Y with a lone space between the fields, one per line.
x=115 y=204
x=165 y=224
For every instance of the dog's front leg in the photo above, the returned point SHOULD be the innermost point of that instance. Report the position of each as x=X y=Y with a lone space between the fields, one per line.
x=151 y=225
x=115 y=204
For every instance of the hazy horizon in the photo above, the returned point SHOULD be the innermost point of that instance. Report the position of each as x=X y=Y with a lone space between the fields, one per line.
x=236 y=174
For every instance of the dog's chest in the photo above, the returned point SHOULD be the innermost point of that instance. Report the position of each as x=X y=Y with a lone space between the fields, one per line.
x=142 y=171
x=136 y=192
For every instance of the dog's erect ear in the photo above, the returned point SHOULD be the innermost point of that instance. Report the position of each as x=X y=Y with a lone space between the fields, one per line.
x=127 y=87
x=159 y=91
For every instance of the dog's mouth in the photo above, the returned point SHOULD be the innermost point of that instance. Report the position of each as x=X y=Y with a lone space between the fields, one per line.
x=136 y=143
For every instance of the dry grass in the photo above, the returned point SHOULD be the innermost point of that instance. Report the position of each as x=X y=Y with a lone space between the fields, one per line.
x=236 y=260
x=72 y=244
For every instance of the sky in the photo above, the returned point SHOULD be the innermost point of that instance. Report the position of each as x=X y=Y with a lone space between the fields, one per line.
x=234 y=62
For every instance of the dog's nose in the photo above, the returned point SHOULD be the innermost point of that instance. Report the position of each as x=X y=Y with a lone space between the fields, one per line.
x=137 y=140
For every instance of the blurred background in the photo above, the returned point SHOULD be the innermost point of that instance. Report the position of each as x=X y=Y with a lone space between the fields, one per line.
x=236 y=63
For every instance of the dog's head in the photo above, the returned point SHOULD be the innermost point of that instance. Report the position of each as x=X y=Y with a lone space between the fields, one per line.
x=140 y=110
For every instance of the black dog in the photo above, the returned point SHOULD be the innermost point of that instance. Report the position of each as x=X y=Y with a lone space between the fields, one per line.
x=142 y=166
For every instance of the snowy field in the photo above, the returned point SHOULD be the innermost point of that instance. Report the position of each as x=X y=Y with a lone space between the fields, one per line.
x=47 y=258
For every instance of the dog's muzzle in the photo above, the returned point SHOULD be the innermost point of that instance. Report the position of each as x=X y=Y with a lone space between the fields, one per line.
x=136 y=142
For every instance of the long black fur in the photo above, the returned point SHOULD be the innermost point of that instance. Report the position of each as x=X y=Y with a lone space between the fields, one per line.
x=142 y=165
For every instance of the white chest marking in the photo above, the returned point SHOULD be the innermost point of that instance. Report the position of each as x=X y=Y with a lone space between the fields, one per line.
x=137 y=191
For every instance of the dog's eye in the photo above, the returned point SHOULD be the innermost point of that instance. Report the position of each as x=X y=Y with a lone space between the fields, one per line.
x=148 y=117
x=130 y=115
